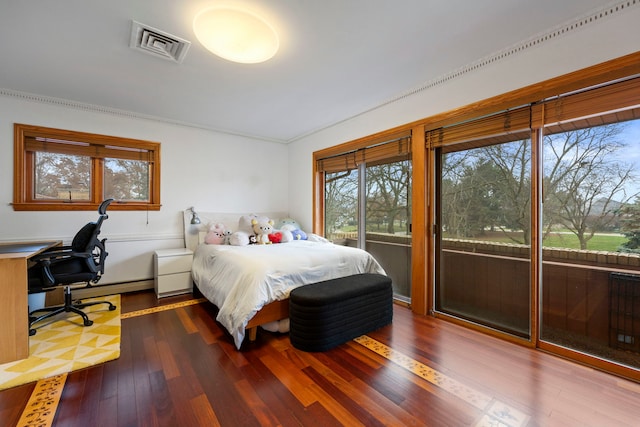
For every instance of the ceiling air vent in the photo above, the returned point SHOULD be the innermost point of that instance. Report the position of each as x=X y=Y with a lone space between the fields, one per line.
x=158 y=43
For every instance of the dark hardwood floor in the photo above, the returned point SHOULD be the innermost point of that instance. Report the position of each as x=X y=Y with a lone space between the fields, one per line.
x=179 y=368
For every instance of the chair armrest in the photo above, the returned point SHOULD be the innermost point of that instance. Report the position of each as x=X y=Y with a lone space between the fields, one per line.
x=51 y=253
x=57 y=249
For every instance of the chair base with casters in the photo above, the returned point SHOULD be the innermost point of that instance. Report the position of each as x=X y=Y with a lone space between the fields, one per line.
x=67 y=266
x=69 y=306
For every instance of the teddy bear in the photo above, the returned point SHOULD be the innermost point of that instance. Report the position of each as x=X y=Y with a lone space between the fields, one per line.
x=217 y=235
x=245 y=223
x=245 y=234
x=262 y=229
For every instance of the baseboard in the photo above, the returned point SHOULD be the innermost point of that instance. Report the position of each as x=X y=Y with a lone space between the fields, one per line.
x=116 y=288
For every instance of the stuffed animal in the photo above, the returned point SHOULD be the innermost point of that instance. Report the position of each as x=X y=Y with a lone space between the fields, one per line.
x=239 y=238
x=216 y=235
x=227 y=237
x=262 y=228
x=285 y=226
x=245 y=234
x=287 y=222
x=275 y=237
x=298 y=234
x=245 y=223
x=293 y=232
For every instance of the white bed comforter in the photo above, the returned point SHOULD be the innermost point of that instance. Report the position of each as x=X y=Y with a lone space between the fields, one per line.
x=240 y=280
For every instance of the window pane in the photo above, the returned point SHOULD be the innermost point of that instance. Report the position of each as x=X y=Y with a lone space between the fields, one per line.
x=483 y=264
x=341 y=206
x=62 y=177
x=126 y=180
x=387 y=221
x=591 y=241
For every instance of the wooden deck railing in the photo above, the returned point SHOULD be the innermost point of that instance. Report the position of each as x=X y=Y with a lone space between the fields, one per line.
x=492 y=279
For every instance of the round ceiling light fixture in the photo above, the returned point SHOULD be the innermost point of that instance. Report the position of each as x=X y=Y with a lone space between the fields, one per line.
x=236 y=35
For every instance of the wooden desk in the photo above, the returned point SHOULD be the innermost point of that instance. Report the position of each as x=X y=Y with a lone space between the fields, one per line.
x=14 y=314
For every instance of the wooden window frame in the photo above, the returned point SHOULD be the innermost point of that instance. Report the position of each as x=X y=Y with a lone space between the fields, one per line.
x=28 y=138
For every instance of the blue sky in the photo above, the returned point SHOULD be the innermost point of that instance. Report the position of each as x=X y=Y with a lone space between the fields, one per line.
x=631 y=153
x=631 y=135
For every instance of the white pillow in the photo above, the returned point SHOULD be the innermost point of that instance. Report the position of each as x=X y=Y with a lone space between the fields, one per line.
x=244 y=223
x=239 y=238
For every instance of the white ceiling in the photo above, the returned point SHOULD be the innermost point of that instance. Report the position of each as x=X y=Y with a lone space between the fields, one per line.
x=337 y=58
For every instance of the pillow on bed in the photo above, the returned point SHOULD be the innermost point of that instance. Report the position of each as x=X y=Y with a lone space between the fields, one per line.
x=239 y=238
x=245 y=234
x=244 y=223
x=245 y=231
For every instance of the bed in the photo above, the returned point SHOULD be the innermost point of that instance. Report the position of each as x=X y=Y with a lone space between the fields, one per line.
x=250 y=285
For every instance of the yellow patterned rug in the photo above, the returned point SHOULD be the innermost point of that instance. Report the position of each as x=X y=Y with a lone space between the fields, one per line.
x=62 y=344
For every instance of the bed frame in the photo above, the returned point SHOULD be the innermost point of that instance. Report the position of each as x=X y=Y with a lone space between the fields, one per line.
x=276 y=310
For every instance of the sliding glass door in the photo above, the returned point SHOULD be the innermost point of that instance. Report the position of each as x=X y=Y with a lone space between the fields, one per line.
x=483 y=242
x=388 y=221
x=556 y=223
x=367 y=199
x=591 y=236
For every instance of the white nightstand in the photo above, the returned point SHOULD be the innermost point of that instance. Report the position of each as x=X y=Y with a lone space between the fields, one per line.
x=172 y=269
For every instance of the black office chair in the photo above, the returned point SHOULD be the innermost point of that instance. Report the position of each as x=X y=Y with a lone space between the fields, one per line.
x=83 y=261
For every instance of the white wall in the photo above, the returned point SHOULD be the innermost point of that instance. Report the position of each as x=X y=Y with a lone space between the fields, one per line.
x=608 y=38
x=208 y=170
x=213 y=171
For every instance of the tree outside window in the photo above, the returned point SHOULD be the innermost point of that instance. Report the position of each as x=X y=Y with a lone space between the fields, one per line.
x=66 y=170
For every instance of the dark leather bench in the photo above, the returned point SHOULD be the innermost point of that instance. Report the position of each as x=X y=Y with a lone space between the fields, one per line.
x=326 y=314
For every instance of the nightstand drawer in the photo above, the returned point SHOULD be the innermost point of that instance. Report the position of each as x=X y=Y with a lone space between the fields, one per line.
x=172 y=268
x=173 y=284
x=174 y=264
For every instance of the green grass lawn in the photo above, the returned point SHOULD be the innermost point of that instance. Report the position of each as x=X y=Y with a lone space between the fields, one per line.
x=599 y=242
